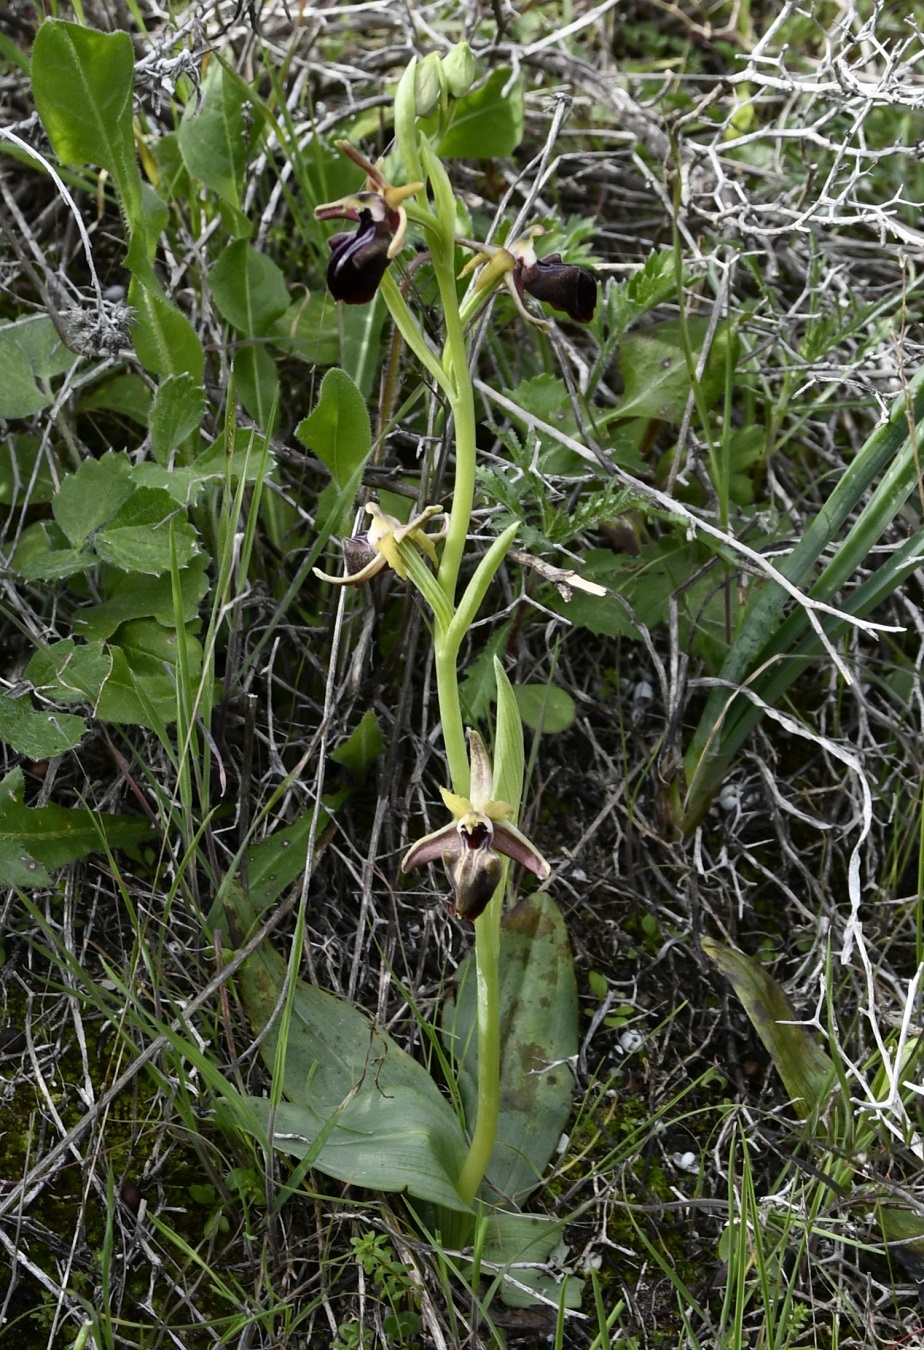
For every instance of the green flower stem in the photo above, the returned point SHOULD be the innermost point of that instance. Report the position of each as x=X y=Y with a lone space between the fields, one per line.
x=453 y=620
x=487 y=951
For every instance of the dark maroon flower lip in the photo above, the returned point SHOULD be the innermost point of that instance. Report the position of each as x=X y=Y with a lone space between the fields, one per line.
x=564 y=286
x=358 y=260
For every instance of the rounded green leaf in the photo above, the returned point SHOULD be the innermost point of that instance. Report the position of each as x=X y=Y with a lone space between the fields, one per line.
x=337 y=430
x=248 y=288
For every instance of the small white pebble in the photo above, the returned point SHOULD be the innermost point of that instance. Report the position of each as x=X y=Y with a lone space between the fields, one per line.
x=563 y=1143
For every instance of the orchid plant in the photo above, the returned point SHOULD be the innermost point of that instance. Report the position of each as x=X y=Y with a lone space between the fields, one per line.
x=501 y=1159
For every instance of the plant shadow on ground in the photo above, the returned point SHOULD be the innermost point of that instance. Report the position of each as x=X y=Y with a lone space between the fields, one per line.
x=757 y=315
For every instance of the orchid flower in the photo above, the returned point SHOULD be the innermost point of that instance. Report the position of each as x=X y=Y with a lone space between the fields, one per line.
x=359 y=259
x=564 y=286
x=367 y=555
x=468 y=847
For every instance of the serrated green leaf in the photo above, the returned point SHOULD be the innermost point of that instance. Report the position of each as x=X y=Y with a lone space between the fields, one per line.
x=148 y=534
x=38 y=735
x=132 y=595
x=176 y=412
x=248 y=288
x=70 y=673
x=91 y=496
x=56 y=835
x=488 y=122
x=652 y=284
x=56 y=564
x=338 y=430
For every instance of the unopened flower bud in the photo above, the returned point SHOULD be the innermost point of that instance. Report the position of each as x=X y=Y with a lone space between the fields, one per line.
x=459 y=70
x=428 y=84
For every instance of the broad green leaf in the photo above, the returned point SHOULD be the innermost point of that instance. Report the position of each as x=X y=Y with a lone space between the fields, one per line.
x=309 y=330
x=213 y=139
x=526 y=1244
x=140 y=691
x=69 y=672
x=539 y=1035
x=134 y=595
x=92 y=495
x=361 y=351
x=363 y=745
x=177 y=411
x=544 y=707
x=164 y=339
x=145 y=643
x=656 y=378
x=38 y=735
x=488 y=122
x=276 y=862
x=30 y=351
x=337 y=430
x=25 y=470
x=20 y=396
x=149 y=534
x=248 y=288
x=903 y=1230
x=82 y=83
x=807 y=1072
x=55 y=835
x=56 y=564
x=257 y=382
x=359 y=1105
x=127 y=395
